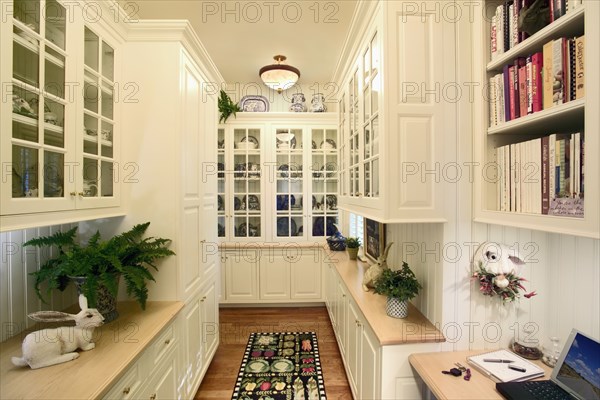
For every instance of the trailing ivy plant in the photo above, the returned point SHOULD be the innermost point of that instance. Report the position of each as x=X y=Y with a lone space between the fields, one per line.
x=100 y=262
x=226 y=107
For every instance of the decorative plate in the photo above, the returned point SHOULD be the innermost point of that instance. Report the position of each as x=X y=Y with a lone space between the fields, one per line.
x=252 y=203
x=282 y=365
x=237 y=204
x=283 y=170
x=254 y=104
x=221 y=167
x=328 y=144
x=253 y=170
x=283 y=202
x=331 y=201
x=240 y=170
x=283 y=145
x=247 y=230
x=283 y=227
x=221 y=144
x=221 y=203
x=251 y=139
x=314 y=145
x=257 y=366
x=220 y=230
x=318 y=227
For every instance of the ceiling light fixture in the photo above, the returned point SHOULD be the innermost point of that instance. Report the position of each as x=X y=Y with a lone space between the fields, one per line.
x=278 y=76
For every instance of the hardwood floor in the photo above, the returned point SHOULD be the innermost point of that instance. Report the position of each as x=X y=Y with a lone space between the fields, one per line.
x=236 y=324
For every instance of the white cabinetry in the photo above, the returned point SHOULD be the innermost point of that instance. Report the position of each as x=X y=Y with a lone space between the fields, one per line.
x=277 y=178
x=272 y=274
x=374 y=371
x=60 y=141
x=396 y=132
x=575 y=116
x=173 y=129
x=154 y=375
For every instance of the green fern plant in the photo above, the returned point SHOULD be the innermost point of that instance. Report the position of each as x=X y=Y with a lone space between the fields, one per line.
x=126 y=255
x=401 y=284
x=226 y=107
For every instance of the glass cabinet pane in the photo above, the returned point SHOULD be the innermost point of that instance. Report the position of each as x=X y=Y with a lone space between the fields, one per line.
x=54 y=78
x=106 y=179
x=90 y=177
x=28 y=12
x=26 y=62
x=106 y=139
x=108 y=62
x=54 y=181
x=91 y=48
x=25 y=172
x=55 y=16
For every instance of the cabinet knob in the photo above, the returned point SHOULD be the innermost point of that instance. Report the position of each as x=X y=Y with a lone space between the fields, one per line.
x=343 y=295
x=80 y=194
x=203 y=241
x=73 y=193
x=153 y=397
x=126 y=390
x=167 y=341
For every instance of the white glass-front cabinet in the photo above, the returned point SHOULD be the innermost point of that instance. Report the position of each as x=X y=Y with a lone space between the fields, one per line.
x=278 y=180
x=51 y=159
x=396 y=131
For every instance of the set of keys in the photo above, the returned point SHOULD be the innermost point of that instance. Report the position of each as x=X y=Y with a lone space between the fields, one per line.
x=459 y=371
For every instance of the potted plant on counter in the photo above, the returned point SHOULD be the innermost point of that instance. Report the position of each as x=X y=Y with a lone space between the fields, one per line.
x=352 y=245
x=399 y=286
x=97 y=267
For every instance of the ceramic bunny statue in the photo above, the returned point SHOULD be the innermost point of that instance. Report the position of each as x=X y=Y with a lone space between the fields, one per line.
x=376 y=269
x=57 y=345
x=498 y=259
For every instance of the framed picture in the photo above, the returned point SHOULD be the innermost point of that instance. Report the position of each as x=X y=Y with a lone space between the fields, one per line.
x=374 y=238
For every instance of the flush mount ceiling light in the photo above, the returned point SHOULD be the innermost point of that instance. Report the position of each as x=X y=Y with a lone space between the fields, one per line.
x=279 y=76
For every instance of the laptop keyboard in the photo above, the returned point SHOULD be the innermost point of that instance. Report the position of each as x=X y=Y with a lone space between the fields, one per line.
x=545 y=390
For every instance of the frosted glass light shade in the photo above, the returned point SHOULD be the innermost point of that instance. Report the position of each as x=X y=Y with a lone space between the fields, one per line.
x=278 y=76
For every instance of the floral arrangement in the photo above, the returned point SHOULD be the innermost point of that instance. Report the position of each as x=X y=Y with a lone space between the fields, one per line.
x=505 y=286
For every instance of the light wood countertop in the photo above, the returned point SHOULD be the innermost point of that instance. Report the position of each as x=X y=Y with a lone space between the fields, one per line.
x=480 y=387
x=90 y=376
x=390 y=331
x=271 y=245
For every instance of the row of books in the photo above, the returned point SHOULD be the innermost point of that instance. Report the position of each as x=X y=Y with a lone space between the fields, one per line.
x=538 y=82
x=542 y=176
x=508 y=26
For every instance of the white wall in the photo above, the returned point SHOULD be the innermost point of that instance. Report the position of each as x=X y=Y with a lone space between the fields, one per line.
x=17 y=296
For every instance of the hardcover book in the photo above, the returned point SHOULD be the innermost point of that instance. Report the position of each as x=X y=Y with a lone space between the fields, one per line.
x=548 y=77
x=579 y=67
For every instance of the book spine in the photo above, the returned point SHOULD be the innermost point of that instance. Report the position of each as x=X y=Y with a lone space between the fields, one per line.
x=500 y=99
x=506 y=93
x=577 y=181
x=529 y=85
x=545 y=175
x=523 y=90
x=571 y=183
x=561 y=165
x=557 y=72
x=507 y=177
x=537 y=83
x=513 y=177
x=579 y=67
x=514 y=24
x=506 y=31
x=499 y=184
x=536 y=154
x=548 y=77
x=552 y=167
x=582 y=155
x=493 y=43
x=511 y=92
x=500 y=29
x=572 y=69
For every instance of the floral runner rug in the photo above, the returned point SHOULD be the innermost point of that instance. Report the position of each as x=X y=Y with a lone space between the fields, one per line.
x=280 y=366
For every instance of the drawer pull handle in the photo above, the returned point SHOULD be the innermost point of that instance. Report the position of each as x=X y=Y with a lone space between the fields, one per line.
x=153 y=397
x=126 y=390
x=167 y=341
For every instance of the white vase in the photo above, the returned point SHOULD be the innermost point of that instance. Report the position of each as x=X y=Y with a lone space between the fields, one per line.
x=396 y=308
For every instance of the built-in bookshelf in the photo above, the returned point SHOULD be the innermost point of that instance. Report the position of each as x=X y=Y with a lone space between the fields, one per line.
x=541 y=93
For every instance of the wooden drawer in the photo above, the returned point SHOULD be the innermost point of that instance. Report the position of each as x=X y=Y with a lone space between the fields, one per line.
x=128 y=386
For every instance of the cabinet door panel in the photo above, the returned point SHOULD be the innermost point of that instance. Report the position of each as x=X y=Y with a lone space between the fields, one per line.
x=370 y=366
x=274 y=278
x=210 y=322
x=241 y=275
x=306 y=273
x=353 y=356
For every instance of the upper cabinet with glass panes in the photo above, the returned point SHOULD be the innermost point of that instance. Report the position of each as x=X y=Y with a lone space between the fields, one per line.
x=50 y=164
x=391 y=133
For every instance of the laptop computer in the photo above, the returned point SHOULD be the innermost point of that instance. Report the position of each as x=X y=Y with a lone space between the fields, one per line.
x=576 y=374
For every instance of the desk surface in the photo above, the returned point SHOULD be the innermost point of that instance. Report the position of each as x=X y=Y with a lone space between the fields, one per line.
x=480 y=387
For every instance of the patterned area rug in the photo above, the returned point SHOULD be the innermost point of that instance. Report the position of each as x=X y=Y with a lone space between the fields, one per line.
x=278 y=366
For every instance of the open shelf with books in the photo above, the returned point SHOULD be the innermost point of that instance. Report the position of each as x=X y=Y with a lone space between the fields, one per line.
x=539 y=119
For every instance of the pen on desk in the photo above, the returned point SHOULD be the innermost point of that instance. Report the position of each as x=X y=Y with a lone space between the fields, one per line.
x=497 y=360
x=520 y=369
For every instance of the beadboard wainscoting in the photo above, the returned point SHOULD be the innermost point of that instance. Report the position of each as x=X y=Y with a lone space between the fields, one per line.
x=17 y=295
x=562 y=269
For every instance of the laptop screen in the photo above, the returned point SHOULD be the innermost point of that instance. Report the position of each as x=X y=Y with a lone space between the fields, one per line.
x=578 y=369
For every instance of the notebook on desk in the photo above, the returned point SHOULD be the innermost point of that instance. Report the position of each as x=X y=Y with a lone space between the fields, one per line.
x=576 y=374
x=505 y=366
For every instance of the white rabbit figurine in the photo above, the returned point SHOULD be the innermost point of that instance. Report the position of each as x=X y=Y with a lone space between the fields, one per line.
x=57 y=345
x=376 y=269
x=498 y=259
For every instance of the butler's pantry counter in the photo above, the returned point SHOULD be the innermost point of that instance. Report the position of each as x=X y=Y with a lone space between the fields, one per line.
x=375 y=347
x=133 y=348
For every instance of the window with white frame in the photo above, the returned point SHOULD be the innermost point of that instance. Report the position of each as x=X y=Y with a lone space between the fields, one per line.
x=356 y=226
